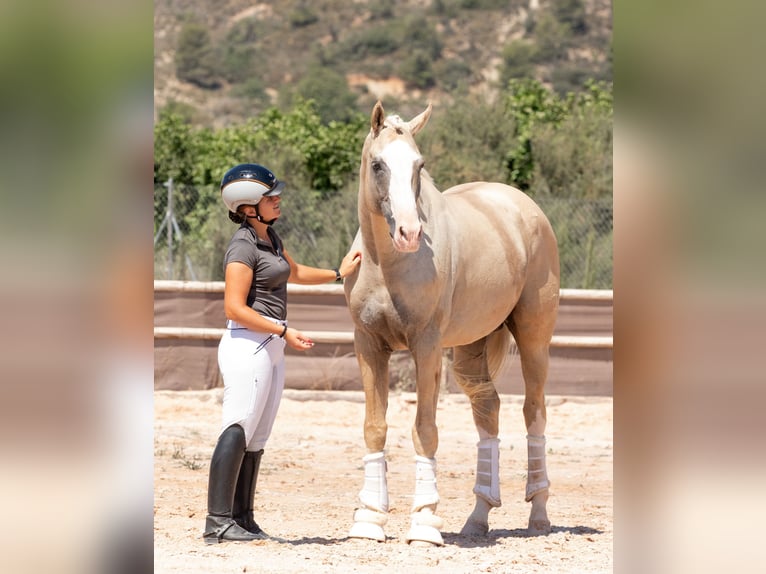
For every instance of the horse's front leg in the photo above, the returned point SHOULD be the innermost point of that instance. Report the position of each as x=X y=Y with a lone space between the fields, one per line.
x=426 y=525
x=370 y=518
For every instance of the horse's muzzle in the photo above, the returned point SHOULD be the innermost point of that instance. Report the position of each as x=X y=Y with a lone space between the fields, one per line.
x=407 y=240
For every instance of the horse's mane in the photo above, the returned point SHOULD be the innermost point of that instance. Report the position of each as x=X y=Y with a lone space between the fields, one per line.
x=396 y=121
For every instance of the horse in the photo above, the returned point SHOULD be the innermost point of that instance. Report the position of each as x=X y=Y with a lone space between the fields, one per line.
x=467 y=269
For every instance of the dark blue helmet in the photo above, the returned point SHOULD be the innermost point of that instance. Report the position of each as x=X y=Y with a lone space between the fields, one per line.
x=247 y=183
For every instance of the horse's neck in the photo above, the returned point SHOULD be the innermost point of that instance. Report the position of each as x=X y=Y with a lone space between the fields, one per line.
x=375 y=236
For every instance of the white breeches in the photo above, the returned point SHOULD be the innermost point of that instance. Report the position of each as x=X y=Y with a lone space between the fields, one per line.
x=253 y=380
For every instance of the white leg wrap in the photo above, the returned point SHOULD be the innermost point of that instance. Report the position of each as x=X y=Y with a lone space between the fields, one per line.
x=370 y=519
x=425 y=483
x=537 y=475
x=488 y=471
x=374 y=493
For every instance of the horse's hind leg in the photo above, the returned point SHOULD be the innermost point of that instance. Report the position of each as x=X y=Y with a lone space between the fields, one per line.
x=532 y=327
x=472 y=374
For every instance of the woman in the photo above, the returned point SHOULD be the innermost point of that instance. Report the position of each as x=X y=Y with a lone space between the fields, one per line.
x=251 y=352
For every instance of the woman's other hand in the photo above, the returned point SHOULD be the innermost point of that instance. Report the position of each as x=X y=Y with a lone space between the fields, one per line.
x=350 y=262
x=298 y=340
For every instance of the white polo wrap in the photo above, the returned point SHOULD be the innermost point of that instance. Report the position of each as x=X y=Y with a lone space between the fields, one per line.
x=537 y=475
x=488 y=471
x=425 y=483
x=374 y=493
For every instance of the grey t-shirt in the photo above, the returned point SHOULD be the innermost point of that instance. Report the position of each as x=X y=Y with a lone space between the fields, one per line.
x=268 y=292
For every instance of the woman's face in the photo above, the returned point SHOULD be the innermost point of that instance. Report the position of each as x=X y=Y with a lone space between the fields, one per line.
x=269 y=207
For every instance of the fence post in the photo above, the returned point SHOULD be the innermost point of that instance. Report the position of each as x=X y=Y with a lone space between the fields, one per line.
x=169 y=219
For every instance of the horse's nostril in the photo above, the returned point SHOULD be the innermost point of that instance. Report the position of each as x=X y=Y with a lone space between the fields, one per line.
x=401 y=232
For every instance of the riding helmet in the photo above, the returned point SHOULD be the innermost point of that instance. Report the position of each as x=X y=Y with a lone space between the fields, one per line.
x=247 y=183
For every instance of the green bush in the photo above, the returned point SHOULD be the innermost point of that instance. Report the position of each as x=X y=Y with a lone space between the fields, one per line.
x=572 y=13
x=453 y=75
x=574 y=158
x=333 y=100
x=251 y=89
x=378 y=41
x=195 y=59
x=301 y=16
x=420 y=36
x=518 y=60
x=238 y=52
x=382 y=9
x=417 y=70
x=463 y=142
x=552 y=38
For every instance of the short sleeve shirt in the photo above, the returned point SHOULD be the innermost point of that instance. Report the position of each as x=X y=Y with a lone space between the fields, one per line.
x=268 y=292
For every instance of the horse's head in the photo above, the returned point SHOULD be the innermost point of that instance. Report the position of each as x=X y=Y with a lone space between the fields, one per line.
x=391 y=166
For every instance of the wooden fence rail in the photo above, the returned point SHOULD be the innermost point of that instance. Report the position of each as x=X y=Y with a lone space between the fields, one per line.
x=347 y=337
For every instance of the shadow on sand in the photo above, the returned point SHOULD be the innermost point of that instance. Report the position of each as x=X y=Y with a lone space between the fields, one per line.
x=450 y=538
x=463 y=541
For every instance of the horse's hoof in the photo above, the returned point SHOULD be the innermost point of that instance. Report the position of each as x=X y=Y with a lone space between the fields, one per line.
x=368 y=524
x=367 y=530
x=422 y=535
x=425 y=528
x=474 y=528
x=539 y=527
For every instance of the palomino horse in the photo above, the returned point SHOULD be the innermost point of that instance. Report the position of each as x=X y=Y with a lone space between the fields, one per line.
x=465 y=269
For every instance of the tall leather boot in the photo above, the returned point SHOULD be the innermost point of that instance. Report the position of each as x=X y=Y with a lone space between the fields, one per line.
x=224 y=471
x=245 y=492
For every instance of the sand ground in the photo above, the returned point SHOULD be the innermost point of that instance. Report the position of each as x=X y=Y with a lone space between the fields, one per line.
x=312 y=471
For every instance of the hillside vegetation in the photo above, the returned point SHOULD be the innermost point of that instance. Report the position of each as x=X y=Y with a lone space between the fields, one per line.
x=225 y=61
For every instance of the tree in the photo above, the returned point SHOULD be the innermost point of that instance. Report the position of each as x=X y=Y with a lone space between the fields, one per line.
x=530 y=104
x=560 y=142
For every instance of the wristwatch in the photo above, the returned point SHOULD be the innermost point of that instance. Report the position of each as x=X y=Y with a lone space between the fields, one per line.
x=338 y=278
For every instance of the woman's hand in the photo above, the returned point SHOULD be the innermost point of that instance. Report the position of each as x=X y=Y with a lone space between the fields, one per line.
x=350 y=263
x=298 y=340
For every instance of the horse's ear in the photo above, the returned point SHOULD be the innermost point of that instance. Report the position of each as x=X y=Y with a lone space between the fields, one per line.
x=377 y=118
x=418 y=122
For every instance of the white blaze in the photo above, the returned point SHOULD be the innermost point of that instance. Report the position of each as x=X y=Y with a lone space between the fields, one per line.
x=400 y=159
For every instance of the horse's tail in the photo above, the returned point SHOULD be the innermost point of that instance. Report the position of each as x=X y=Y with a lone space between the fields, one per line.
x=498 y=351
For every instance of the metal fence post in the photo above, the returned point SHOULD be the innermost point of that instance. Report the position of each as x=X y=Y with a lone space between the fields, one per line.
x=169 y=218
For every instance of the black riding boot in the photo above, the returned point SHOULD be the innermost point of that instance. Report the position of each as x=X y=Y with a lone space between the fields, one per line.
x=243 y=496
x=224 y=470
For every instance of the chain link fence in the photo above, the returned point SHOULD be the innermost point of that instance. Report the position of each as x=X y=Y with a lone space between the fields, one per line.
x=192 y=231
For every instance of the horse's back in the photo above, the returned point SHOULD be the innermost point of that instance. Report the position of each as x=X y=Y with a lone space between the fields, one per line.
x=497 y=212
x=491 y=197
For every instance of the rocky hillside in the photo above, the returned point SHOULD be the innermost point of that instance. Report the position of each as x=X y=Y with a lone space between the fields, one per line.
x=222 y=61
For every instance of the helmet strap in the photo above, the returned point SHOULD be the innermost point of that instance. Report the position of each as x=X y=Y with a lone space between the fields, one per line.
x=258 y=217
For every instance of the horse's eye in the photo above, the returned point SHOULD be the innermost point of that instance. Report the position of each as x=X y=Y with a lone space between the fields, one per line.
x=377 y=166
